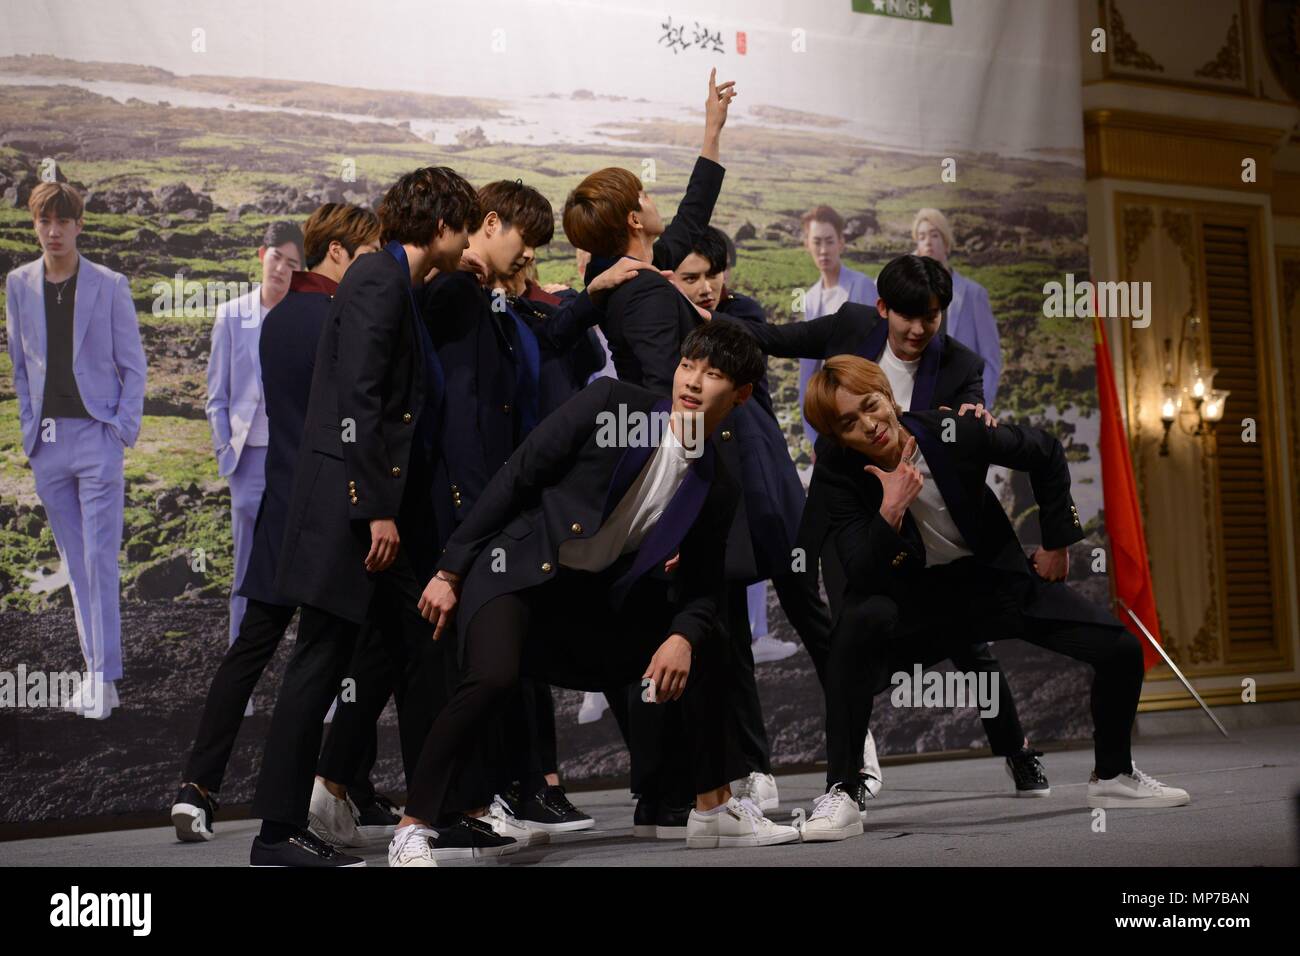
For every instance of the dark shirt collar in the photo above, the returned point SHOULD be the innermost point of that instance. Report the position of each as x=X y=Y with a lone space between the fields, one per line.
x=312 y=282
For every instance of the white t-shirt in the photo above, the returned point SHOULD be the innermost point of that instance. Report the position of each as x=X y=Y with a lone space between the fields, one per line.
x=833 y=298
x=939 y=533
x=636 y=514
x=901 y=375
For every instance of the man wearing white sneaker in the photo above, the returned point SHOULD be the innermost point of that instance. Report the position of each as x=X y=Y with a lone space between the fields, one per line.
x=561 y=572
x=932 y=561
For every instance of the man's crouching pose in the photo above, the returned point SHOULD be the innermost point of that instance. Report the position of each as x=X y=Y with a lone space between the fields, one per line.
x=932 y=562
x=561 y=572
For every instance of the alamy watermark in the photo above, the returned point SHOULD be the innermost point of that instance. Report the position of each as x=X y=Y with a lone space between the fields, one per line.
x=1114 y=300
x=632 y=428
x=72 y=690
x=947 y=689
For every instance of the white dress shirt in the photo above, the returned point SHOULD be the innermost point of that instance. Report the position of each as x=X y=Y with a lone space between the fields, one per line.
x=637 y=512
x=943 y=541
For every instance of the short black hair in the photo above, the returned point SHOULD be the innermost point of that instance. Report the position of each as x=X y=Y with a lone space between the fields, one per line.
x=282 y=231
x=910 y=283
x=728 y=348
x=712 y=247
x=412 y=207
x=520 y=206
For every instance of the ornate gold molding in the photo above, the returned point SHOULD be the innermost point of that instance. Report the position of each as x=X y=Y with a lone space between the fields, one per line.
x=1125 y=49
x=1226 y=64
x=1123 y=144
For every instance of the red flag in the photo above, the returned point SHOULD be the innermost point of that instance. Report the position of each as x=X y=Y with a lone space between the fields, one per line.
x=1130 y=572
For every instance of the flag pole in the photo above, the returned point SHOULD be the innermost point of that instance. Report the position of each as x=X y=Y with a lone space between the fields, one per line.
x=1172 y=666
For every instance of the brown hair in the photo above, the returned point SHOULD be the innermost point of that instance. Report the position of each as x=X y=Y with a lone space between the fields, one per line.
x=56 y=199
x=595 y=214
x=520 y=206
x=412 y=207
x=850 y=372
x=822 y=214
x=348 y=225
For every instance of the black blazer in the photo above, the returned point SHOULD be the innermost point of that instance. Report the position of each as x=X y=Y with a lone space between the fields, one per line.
x=745 y=309
x=370 y=383
x=571 y=352
x=950 y=373
x=559 y=485
x=876 y=559
x=480 y=351
x=287 y=346
x=646 y=318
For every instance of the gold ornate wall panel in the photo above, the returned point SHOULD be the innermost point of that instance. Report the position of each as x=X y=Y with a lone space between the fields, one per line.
x=1126 y=145
x=1214 y=528
x=1209 y=49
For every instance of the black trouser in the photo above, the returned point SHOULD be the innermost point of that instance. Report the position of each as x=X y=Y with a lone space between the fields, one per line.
x=260 y=631
x=563 y=632
x=322 y=658
x=746 y=709
x=395 y=656
x=528 y=732
x=1003 y=731
x=874 y=638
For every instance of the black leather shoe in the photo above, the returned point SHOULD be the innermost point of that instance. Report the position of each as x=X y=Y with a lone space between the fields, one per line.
x=469 y=838
x=643 y=820
x=550 y=810
x=304 y=848
x=1026 y=770
x=192 y=814
x=670 y=821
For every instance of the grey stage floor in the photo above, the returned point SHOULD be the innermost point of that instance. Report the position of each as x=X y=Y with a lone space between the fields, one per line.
x=949 y=813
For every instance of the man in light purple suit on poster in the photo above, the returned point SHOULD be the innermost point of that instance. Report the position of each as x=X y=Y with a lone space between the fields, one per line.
x=823 y=237
x=235 y=407
x=969 y=319
x=79 y=376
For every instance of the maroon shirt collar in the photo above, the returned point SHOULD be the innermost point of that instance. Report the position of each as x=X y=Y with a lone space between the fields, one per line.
x=312 y=282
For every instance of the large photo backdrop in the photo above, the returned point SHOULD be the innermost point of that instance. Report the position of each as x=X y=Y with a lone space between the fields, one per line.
x=188 y=132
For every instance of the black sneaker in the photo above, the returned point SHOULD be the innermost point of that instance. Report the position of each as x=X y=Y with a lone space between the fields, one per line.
x=469 y=838
x=1026 y=770
x=670 y=822
x=550 y=810
x=192 y=814
x=378 y=819
x=304 y=848
x=643 y=820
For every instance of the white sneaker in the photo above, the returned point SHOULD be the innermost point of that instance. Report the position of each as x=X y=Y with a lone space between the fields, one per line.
x=835 y=816
x=411 y=846
x=332 y=819
x=506 y=824
x=736 y=823
x=1134 y=790
x=871 y=767
x=94 y=699
x=768 y=649
x=759 y=788
x=593 y=708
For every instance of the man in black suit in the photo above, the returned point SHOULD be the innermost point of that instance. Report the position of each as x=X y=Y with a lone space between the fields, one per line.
x=334 y=236
x=361 y=524
x=774 y=503
x=609 y=214
x=927 y=370
x=494 y=357
x=556 y=574
x=931 y=562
